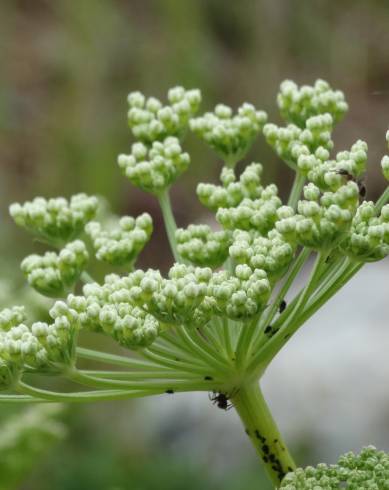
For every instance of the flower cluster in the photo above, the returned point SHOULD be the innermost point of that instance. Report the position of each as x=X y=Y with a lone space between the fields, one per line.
x=241 y=296
x=257 y=214
x=368 y=239
x=272 y=253
x=367 y=470
x=322 y=220
x=297 y=105
x=55 y=220
x=231 y=136
x=232 y=191
x=40 y=345
x=331 y=174
x=122 y=245
x=53 y=274
x=10 y=317
x=154 y=169
x=203 y=247
x=216 y=320
x=151 y=121
x=292 y=142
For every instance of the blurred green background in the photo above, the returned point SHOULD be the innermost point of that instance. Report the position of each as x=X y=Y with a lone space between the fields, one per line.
x=66 y=68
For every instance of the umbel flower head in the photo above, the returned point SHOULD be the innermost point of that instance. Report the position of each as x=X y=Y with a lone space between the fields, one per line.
x=322 y=220
x=154 y=169
x=151 y=121
x=216 y=320
x=203 y=247
x=231 y=136
x=297 y=105
x=329 y=174
x=232 y=191
x=39 y=345
x=367 y=470
x=54 y=274
x=55 y=220
x=122 y=245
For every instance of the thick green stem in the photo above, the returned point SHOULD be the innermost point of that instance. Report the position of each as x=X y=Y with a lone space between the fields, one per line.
x=170 y=222
x=298 y=184
x=263 y=432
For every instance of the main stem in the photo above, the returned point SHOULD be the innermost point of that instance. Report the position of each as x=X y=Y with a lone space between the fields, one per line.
x=263 y=432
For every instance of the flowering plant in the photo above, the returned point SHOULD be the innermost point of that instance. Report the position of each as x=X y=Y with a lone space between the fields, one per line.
x=220 y=316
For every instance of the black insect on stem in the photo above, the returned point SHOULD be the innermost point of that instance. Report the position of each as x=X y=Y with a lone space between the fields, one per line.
x=221 y=400
x=282 y=306
x=359 y=182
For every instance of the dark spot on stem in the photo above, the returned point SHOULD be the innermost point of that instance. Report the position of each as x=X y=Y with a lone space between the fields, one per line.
x=208 y=378
x=169 y=392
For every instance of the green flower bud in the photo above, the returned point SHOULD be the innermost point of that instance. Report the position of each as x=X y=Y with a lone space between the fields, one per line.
x=322 y=220
x=122 y=245
x=56 y=220
x=54 y=274
x=242 y=296
x=368 y=240
x=156 y=169
x=385 y=166
x=202 y=247
x=367 y=470
x=230 y=136
x=259 y=214
x=297 y=105
x=41 y=345
x=232 y=192
x=150 y=121
x=10 y=317
x=295 y=145
x=273 y=254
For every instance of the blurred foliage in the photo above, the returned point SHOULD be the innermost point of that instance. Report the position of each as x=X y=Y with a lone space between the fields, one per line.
x=24 y=439
x=66 y=70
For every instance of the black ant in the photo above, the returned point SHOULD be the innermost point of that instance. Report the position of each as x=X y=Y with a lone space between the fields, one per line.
x=359 y=182
x=282 y=306
x=221 y=400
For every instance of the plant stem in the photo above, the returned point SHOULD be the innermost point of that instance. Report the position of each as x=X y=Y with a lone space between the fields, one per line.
x=170 y=222
x=268 y=316
x=116 y=359
x=86 y=278
x=84 y=396
x=263 y=432
x=382 y=200
x=275 y=344
x=295 y=193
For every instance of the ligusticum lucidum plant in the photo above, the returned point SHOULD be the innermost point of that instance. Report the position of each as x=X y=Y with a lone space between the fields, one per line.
x=225 y=308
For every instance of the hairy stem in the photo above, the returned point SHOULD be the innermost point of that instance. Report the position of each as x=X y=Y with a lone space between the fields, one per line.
x=263 y=432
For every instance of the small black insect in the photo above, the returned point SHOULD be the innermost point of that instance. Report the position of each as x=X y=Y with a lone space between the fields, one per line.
x=208 y=378
x=221 y=400
x=268 y=329
x=282 y=306
x=346 y=173
x=359 y=182
x=169 y=392
x=362 y=189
